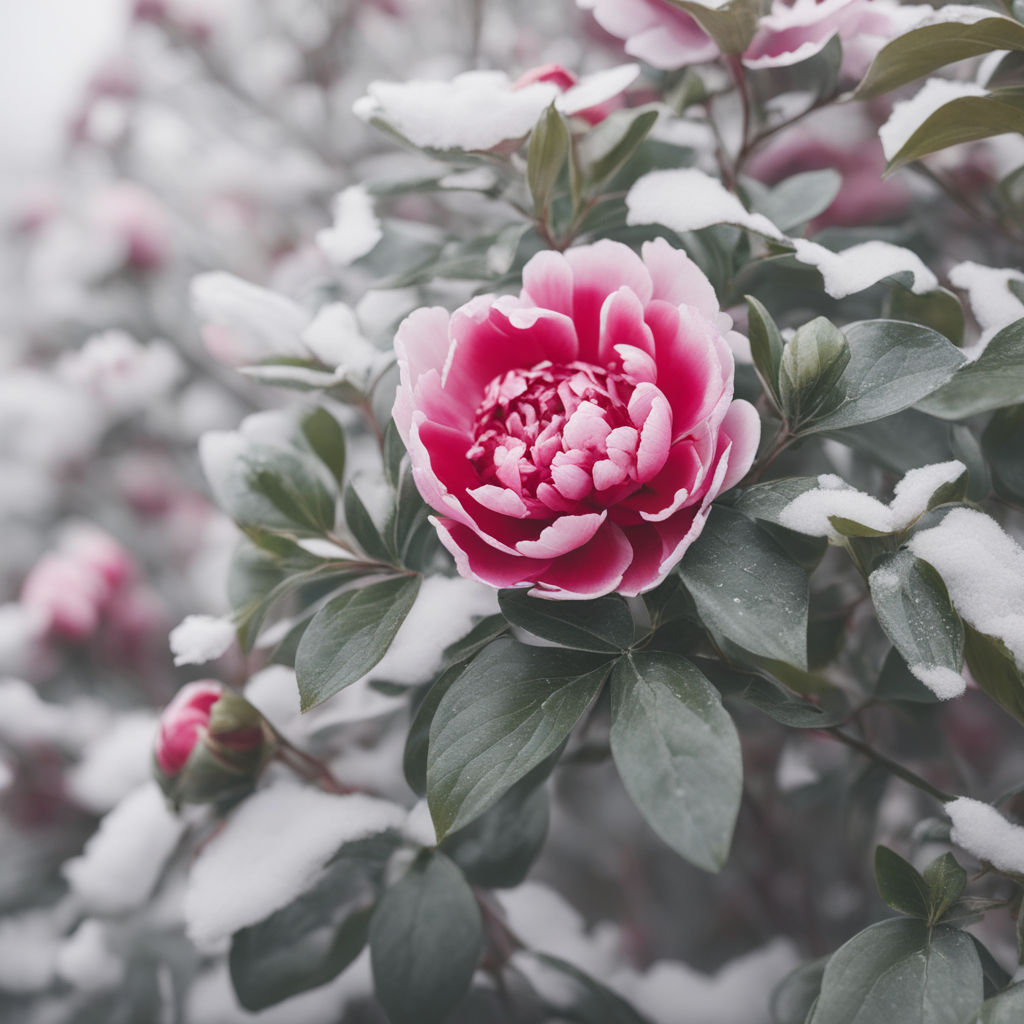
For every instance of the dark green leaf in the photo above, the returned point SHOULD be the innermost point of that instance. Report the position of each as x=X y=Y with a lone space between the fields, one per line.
x=795 y=994
x=966 y=447
x=748 y=588
x=946 y=881
x=394 y=453
x=995 y=671
x=914 y=609
x=965 y=119
x=1005 y=1008
x=765 y=345
x=800 y=198
x=349 y=635
x=678 y=754
x=924 y=49
x=900 y=442
x=546 y=156
x=900 y=885
x=362 y=527
x=892 y=366
x=1003 y=444
x=588 y=1001
x=897 y=682
x=604 y=625
x=326 y=440
x=499 y=848
x=605 y=149
x=510 y=709
x=813 y=360
x=993 y=380
x=310 y=941
x=940 y=310
x=425 y=940
x=901 y=972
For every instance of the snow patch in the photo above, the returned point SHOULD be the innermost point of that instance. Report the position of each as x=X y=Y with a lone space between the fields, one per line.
x=86 y=961
x=942 y=681
x=198 y=639
x=270 y=851
x=993 y=304
x=983 y=569
x=356 y=229
x=115 y=763
x=984 y=832
x=859 y=267
x=908 y=115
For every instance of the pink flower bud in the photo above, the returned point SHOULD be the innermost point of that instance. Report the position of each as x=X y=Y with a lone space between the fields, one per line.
x=211 y=744
x=553 y=74
x=67 y=594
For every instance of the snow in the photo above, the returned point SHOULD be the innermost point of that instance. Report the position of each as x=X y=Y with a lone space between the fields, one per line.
x=114 y=763
x=28 y=951
x=592 y=90
x=243 y=323
x=85 y=959
x=198 y=639
x=993 y=304
x=983 y=569
x=122 y=862
x=270 y=850
x=25 y=719
x=20 y=626
x=809 y=512
x=335 y=338
x=908 y=115
x=274 y=692
x=688 y=200
x=355 y=230
x=444 y=611
x=984 y=832
x=735 y=994
x=942 y=681
x=476 y=110
x=863 y=265
x=419 y=826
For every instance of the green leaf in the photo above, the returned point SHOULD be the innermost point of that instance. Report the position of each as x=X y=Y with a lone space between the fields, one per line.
x=1005 y=1008
x=362 y=527
x=993 y=380
x=896 y=682
x=794 y=996
x=922 y=50
x=394 y=453
x=326 y=440
x=747 y=587
x=310 y=941
x=606 y=148
x=994 y=670
x=1003 y=445
x=965 y=119
x=498 y=849
x=512 y=707
x=425 y=940
x=946 y=881
x=546 y=156
x=349 y=635
x=900 y=885
x=813 y=360
x=901 y=972
x=914 y=609
x=604 y=625
x=800 y=198
x=892 y=366
x=731 y=24
x=678 y=754
x=939 y=309
x=766 y=346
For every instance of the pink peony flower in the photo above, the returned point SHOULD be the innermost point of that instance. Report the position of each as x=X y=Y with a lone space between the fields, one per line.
x=661 y=34
x=564 y=80
x=654 y=30
x=182 y=724
x=572 y=438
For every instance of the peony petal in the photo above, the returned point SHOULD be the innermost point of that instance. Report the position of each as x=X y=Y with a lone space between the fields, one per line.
x=658 y=548
x=572 y=482
x=565 y=534
x=501 y=500
x=655 y=439
x=547 y=282
x=421 y=344
x=678 y=482
x=590 y=571
x=607 y=474
x=622 y=323
x=479 y=561
x=741 y=426
x=677 y=279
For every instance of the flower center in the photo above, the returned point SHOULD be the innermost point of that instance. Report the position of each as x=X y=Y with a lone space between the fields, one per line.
x=556 y=435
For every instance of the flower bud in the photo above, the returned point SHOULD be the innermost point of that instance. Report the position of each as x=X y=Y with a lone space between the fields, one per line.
x=211 y=745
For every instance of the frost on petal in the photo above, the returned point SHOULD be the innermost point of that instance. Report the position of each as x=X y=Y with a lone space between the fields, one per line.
x=688 y=200
x=255 y=865
x=198 y=639
x=356 y=229
x=908 y=115
x=984 y=832
x=122 y=862
x=859 y=267
x=983 y=569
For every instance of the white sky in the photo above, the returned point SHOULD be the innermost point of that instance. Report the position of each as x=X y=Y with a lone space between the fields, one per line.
x=47 y=50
